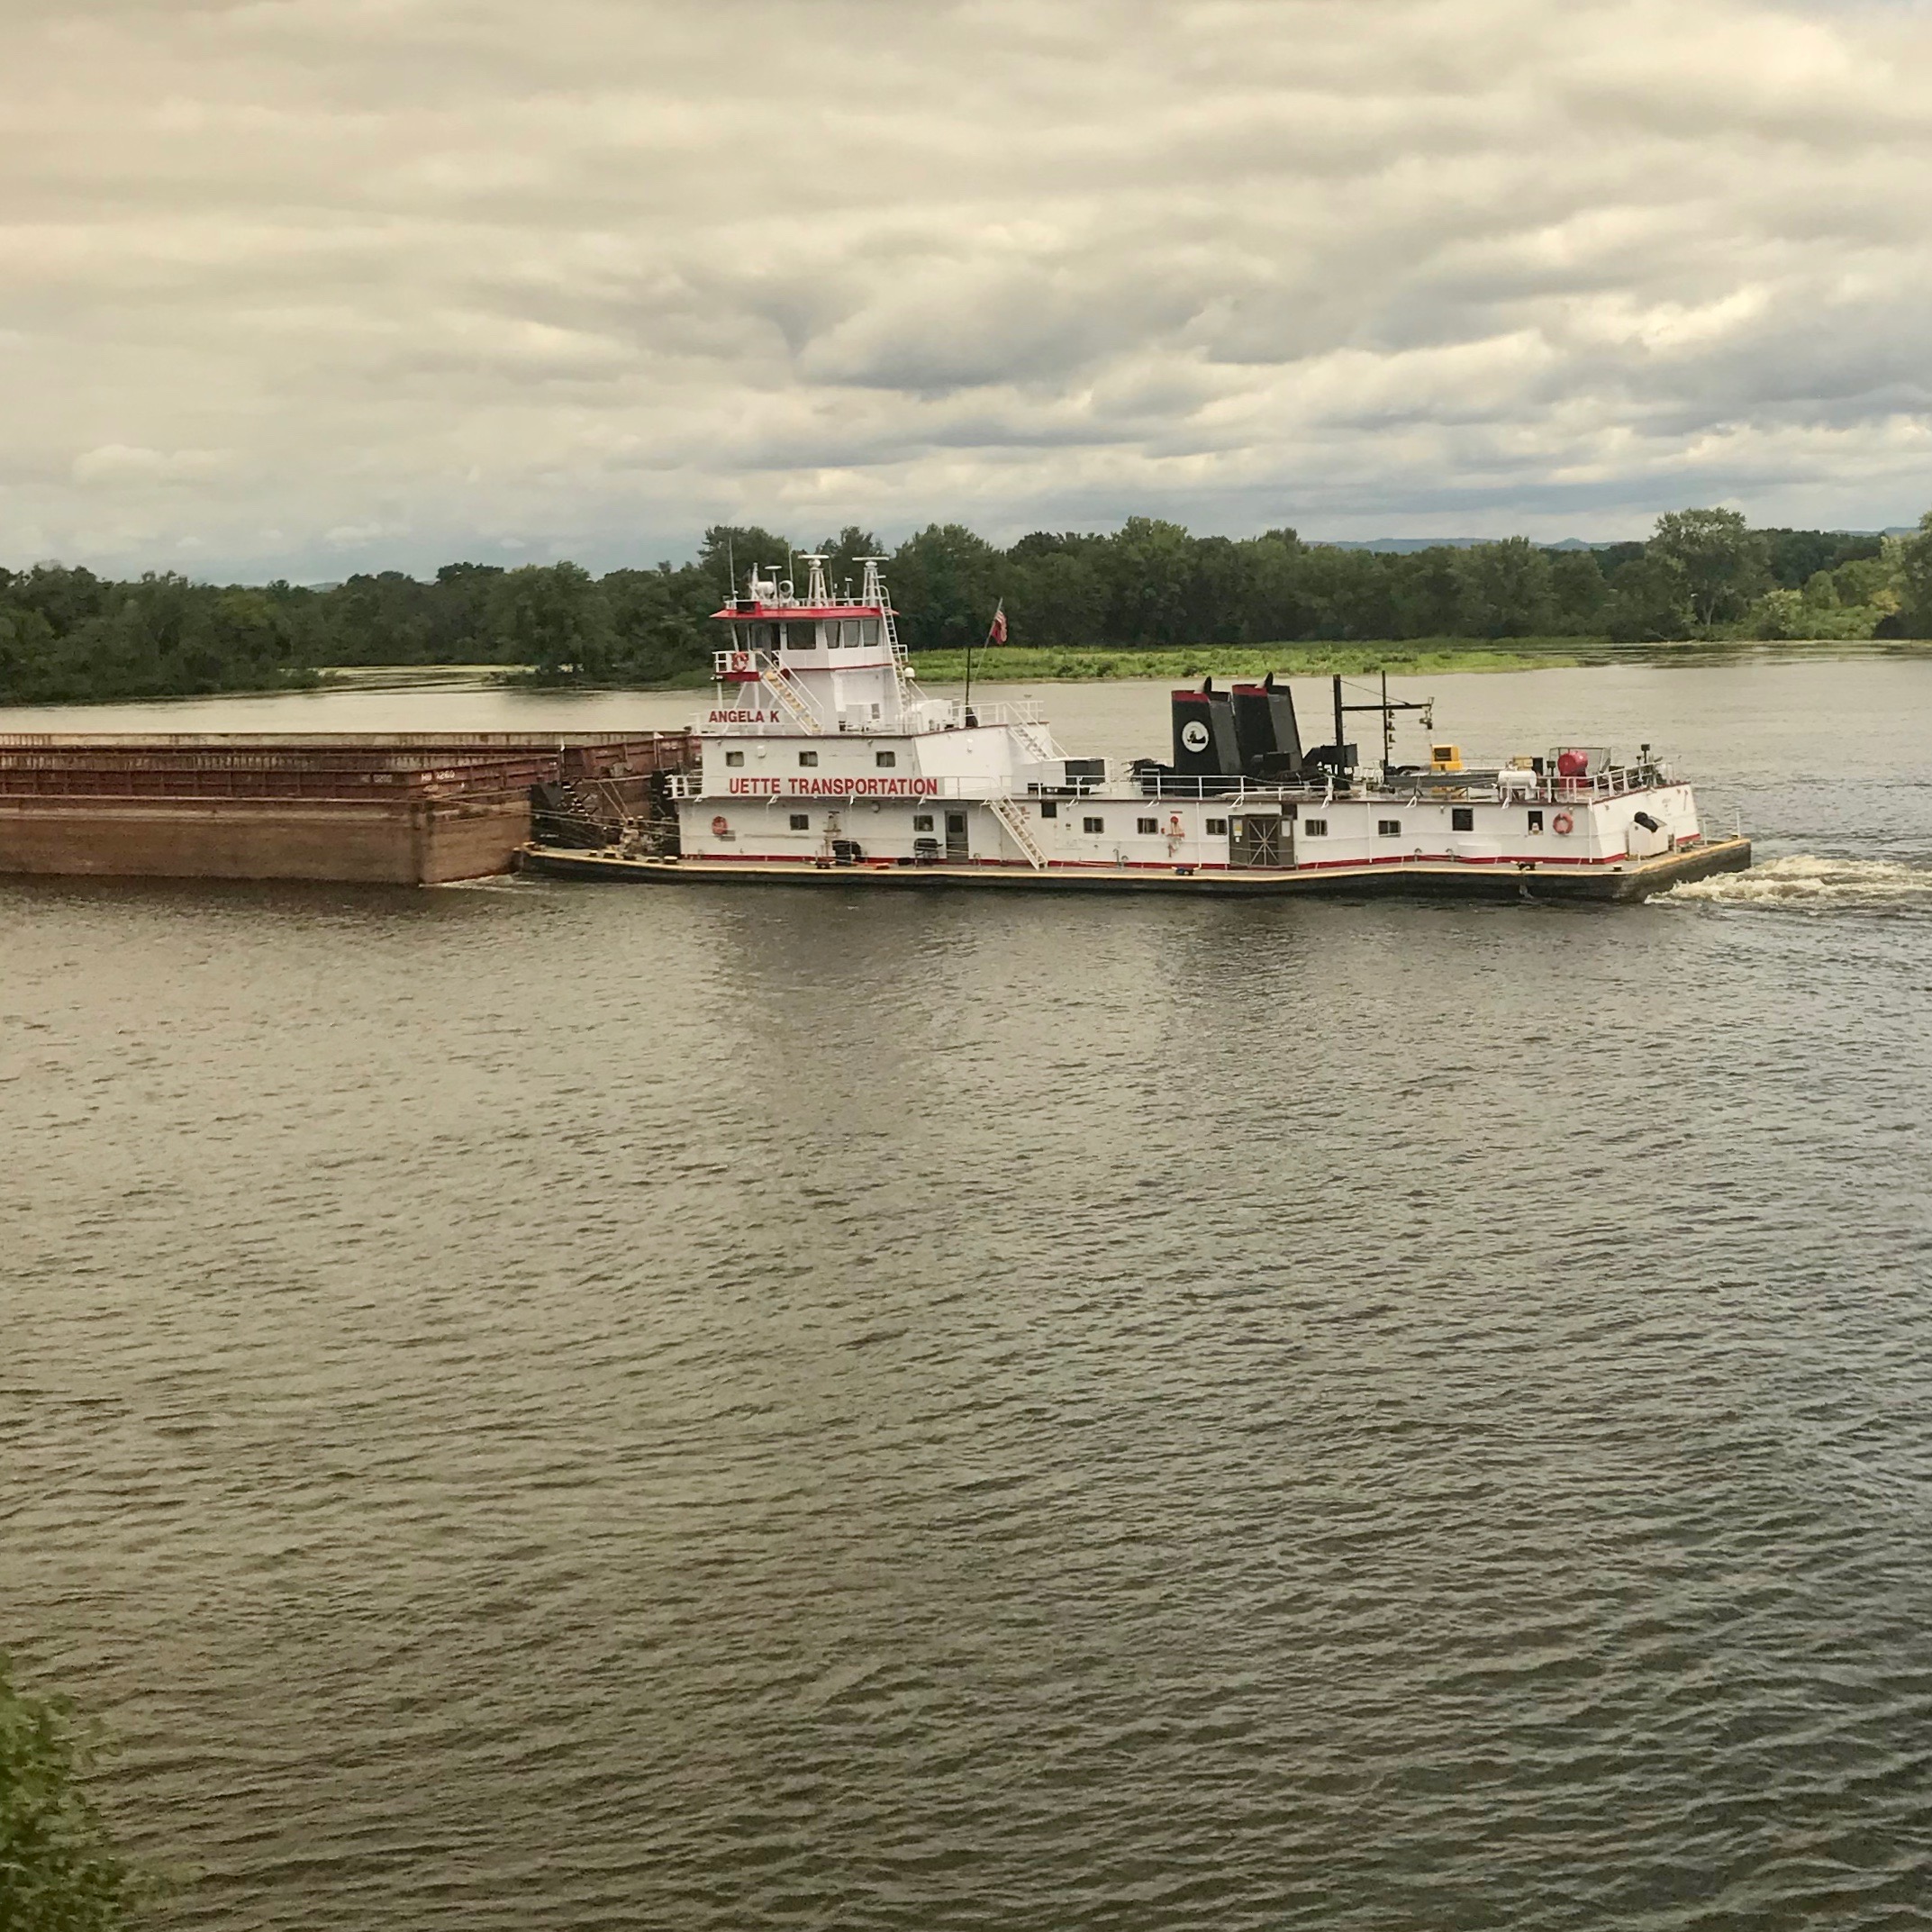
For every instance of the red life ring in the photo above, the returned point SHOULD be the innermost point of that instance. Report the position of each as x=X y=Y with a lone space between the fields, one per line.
x=740 y=664
x=1562 y=824
x=720 y=826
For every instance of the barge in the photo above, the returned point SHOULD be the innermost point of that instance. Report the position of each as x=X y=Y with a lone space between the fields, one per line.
x=819 y=761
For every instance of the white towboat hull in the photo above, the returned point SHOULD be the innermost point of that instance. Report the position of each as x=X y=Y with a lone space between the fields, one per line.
x=1615 y=880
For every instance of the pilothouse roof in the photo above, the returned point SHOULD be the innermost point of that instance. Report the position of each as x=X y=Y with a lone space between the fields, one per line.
x=770 y=597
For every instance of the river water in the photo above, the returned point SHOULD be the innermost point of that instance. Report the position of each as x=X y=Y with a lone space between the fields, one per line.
x=540 y=1405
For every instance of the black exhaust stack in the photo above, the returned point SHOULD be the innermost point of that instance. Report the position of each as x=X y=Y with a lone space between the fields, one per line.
x=1267 y=737
x=1204 y=741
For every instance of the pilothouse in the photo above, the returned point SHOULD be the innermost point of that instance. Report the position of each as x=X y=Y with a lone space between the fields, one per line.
x=821 y=760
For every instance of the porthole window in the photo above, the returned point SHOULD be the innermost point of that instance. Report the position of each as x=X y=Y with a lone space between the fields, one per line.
x=1314 y=828
x=1216 y=828
x=801 y=821
x=734 y=758
x=922 y=822
x=808 y=758
x=1146 y=825
x=885 y=760
x=1093 y=825
x=1462 y=819
x=1389 y=828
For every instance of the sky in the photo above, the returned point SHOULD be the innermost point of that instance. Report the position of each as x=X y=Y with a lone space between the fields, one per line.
x=301 y=288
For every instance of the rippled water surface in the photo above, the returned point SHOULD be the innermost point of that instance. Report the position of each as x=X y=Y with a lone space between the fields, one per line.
x=540 y=1405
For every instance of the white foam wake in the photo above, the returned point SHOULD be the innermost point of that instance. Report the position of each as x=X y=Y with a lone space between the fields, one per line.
x=1806 y=882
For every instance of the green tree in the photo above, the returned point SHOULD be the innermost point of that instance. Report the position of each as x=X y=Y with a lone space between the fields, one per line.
x=1912 y=579
x=59 y=1871
x=731 y=551
x=1277 y=603
x=844 y=556
x=1725 y=563
x=1782 y=614
x=1426 y=592
x=1577 y=586
x=944 y=583
x=552 y=617
x=1052 y=591
x=1649 y=600
x=1505 y=589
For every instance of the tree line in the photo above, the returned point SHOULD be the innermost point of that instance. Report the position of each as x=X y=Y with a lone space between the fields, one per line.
x=67 y=634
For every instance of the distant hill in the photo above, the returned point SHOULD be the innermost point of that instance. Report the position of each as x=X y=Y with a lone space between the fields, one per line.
x=1404 y=546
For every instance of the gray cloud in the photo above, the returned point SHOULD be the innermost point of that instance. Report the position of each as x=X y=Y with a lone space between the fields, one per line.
x=307 y=285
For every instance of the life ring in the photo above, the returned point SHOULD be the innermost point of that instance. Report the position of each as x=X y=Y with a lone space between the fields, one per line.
x=1173 y=826
x=1562 y=824
x=720 y=826
x=740 y=665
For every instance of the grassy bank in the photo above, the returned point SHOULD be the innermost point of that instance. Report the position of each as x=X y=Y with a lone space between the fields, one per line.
x=1013 y=665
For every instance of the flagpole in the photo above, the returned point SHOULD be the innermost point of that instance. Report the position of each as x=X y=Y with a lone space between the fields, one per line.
x=997 y=628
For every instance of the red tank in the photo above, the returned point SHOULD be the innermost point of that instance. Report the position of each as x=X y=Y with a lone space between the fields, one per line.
x=1572 y=764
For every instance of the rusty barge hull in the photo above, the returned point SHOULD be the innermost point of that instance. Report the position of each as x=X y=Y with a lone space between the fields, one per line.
x=420 y=808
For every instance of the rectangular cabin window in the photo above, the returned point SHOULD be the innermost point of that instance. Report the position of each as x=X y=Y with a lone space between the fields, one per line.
x=1389 y=828
x=1462 y=819
x=1049 y=808
x=734 y=758
x=808 y=758
x=922 y=822
x=801 y=821
x=1146 y=825
x=849 y=632
x=1093 y=825
x=1536 y=822
x=760 y=637
x=801 y=637
x=885 y=760
x=1216 y=828
x=868 y=630
x=1314 y=828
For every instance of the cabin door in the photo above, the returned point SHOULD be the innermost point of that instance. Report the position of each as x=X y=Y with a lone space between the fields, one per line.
x=1257 y=840
x=958 y=850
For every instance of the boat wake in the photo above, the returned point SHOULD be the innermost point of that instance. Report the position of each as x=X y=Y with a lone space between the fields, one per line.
x=1809 y=885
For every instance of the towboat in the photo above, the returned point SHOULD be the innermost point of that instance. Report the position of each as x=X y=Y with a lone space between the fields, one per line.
x=819 y=761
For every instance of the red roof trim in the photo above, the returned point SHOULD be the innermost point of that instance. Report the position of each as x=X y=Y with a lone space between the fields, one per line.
x=770 y=613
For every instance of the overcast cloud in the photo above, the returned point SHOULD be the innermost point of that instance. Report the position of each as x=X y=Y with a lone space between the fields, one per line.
x=310 y=285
